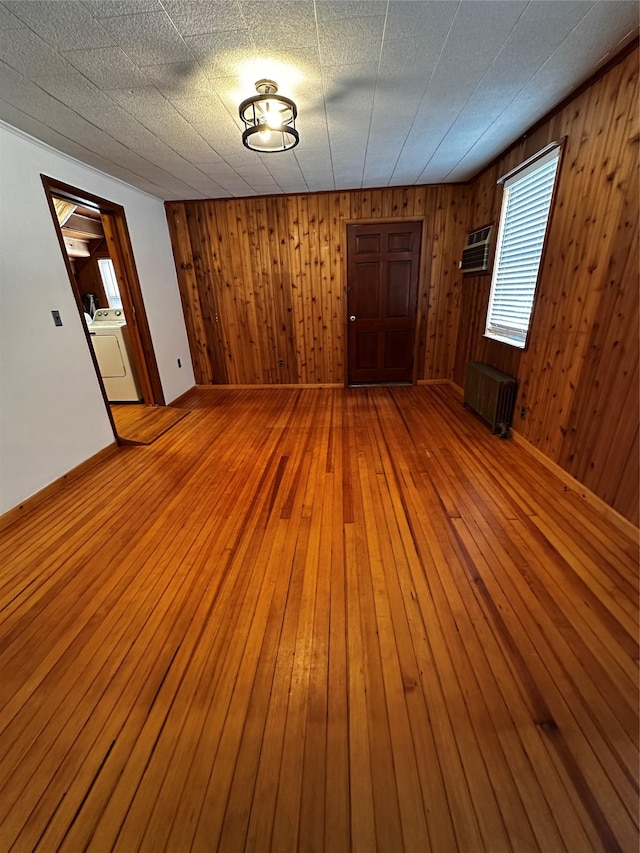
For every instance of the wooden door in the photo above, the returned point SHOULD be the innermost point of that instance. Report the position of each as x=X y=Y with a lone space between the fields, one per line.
x=382 y=263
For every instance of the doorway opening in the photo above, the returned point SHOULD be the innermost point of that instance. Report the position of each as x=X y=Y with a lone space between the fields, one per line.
x=95 y=244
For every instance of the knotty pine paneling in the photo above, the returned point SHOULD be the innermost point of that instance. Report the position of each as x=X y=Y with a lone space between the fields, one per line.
x=262 y=281
x=578 y=377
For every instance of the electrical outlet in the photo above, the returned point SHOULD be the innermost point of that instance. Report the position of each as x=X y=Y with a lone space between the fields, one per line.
x=523 y=412
x=281 y=362
x=179 y=363
x=57 y=319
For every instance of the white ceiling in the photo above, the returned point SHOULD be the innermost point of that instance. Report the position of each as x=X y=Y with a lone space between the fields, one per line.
x=389 y=92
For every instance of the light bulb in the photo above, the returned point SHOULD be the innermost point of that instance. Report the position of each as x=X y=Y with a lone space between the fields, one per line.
x=272 y=115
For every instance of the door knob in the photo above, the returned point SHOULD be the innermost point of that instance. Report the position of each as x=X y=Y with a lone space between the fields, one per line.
x=352 y=318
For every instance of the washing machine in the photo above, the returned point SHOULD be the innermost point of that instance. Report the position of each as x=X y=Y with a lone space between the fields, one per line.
x=110 y=338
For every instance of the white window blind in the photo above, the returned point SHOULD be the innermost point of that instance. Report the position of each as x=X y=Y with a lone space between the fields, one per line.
x=110 y=282
x=523 y=225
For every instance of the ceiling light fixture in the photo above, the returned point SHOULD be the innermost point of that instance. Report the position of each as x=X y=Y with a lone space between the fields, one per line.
x=269 y=120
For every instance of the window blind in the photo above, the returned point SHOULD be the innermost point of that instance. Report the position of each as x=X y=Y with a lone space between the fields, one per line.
x=110 y=282
x=523 y=225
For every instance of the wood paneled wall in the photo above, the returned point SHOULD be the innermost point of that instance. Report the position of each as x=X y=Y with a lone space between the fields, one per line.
x=262 y=281
x=88 y=275
x=578 y=377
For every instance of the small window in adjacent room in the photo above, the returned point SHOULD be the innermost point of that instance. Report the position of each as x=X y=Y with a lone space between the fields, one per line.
x=110 y=282
x=526 y=204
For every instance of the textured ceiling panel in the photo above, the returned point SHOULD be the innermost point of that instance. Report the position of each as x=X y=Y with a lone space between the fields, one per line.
x=64 y=25
x=179 y=80
x=585 y=44
x=149 y=38
x=336 y=10
x=115 y=8
x=26 y=52
x=280 y=26
x=220 y=52
x=194 y=18
x=107 y=67
x=354 y=40
x=8 y=20
x=429 y=22
x=388 y=91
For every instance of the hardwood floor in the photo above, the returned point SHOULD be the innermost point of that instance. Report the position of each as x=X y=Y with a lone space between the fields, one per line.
x=140 y=424
x=319 y=620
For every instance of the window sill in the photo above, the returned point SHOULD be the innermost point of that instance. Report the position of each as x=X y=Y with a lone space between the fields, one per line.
x=510 y=342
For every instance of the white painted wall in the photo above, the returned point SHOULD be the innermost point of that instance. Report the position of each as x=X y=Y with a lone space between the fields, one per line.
x=52 y=415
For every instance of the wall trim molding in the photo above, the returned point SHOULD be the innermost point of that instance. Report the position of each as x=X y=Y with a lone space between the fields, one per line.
x=182 y=397
x=612 y=515
x=272 y=386
x=49 y=148
x=35 y=500
x=290 y=385
x=268 y=386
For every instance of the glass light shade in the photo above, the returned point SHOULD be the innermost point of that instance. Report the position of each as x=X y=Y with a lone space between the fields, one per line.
x=269 y=120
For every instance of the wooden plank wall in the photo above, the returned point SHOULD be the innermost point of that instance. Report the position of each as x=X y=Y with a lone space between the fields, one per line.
x=262 y=280
x=578 y=378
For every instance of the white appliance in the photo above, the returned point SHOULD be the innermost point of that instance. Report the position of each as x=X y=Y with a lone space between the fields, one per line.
x=110 y=339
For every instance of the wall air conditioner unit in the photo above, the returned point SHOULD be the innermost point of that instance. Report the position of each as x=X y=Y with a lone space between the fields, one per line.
x=475 y=255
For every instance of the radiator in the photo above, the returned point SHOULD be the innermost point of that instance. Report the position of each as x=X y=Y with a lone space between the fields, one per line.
x=490 y=394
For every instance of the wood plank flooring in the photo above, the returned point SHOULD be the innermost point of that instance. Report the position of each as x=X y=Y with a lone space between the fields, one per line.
x=140 y=424
x=319 y=620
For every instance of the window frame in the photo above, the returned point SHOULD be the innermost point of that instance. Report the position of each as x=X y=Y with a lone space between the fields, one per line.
x=109 y=282
x=551 y=152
